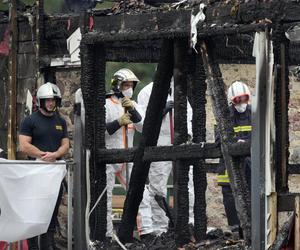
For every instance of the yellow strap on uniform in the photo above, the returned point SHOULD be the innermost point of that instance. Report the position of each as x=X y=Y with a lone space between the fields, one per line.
x=223 y=178
x=242 y=129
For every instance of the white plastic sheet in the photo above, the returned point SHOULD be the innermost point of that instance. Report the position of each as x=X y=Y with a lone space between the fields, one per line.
x=28 y=194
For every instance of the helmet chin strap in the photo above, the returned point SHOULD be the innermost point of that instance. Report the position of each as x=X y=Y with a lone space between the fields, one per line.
x=43 y=106
x=47 y=111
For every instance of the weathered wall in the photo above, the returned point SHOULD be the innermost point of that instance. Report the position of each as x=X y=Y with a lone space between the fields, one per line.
x=68 y=82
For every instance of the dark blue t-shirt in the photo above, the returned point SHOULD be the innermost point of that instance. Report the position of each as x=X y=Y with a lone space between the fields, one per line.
x=46 y=131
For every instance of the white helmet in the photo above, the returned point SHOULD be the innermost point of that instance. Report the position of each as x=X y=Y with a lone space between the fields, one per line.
x=48 y=90
x=123 y=75
x=238 y=89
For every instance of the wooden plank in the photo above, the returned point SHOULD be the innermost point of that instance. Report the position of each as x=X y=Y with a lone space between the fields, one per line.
x=172 y=153
x=286 y=201
x=297 y=222
x=11 y=139
x=271 y=219
x=142 y=26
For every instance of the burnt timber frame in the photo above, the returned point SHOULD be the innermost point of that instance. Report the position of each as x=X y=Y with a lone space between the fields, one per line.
x=246 y=13
x=96 y=40
x=240 y=22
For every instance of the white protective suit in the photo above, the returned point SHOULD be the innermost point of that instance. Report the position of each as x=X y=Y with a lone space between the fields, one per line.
x=152 y=218
x=114 y=110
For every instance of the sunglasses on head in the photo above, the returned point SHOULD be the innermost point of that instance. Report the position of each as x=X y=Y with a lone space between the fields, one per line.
x=240 y=99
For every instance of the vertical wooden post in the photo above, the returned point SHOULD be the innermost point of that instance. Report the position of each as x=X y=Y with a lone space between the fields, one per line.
x=181 y=176
x=222 y=115
x=12 y=83
x=297 y=223
x=150 y=134
x=281 y=45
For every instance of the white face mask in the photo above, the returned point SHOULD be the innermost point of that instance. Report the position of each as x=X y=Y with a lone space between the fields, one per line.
x=128 y=92
x=241 y=108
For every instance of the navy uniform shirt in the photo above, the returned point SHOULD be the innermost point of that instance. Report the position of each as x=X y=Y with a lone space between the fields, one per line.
x=46 y=131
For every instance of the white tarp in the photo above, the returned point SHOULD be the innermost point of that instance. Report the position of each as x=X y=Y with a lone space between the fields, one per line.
x=28 y=194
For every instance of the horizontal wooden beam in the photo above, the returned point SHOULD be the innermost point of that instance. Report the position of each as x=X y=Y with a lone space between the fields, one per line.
x=188 y=152
x=286 y=201
x=140 y=26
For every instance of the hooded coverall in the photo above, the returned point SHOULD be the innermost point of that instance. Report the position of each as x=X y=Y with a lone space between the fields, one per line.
x=114 y=111
x=242 y=131
x=152 y=218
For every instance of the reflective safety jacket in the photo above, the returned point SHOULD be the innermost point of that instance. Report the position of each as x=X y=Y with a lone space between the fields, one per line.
x=242 y=131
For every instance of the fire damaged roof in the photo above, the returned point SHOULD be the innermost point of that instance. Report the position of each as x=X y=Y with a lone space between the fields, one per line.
x=137 y=22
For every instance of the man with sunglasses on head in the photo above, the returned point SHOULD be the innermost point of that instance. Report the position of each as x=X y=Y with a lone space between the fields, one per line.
x=238 y=96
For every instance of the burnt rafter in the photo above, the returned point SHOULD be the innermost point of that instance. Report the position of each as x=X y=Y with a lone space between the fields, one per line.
x=221 y=111
x=150 y=134
x=172 y=153
x=230 y=18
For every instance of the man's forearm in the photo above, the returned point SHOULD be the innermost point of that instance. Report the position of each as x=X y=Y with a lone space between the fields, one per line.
x=31 y=151
x=62 y=150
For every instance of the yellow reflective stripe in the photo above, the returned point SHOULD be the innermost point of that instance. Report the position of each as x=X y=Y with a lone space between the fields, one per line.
x=242 y=128
x=223 y=177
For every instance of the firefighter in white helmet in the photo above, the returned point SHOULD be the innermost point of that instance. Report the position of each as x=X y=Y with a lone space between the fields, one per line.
x=44 y=136
x=122 y=119
x=152 y=220
x=238 y=96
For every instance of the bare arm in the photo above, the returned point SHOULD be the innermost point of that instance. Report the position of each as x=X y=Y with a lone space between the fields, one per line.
x=27 y=148
x=62 y=150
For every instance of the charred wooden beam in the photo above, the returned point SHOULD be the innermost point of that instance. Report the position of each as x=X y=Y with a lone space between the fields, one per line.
x=281 y=45
x=198 y=89
x=252 y=11
x=143 y=51
x=217 y=13
x=286 y=201
x=150 y=134
x=181 y=170
x=93 y=90
x=283 y=233
x=142 y=26
x=237 y=181
x=173 y=153
x=294 y=169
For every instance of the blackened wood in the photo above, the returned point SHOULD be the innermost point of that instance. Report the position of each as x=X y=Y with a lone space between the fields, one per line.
x=222 y=115
x=281 y=45
x=93 y=90
x=158 y=24
x=99 y=140
x=198 y=89
x=25 y=32
x=283 y=234
x=150 y=134
x=27 y=66
x=220 y=12
x=181 y=170
x=286 y=201
x=173 y=153
x=294 y=169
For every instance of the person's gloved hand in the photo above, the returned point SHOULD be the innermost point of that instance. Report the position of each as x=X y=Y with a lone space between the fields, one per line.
x=127 y=103
x=169 y=106
x=124 y=119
